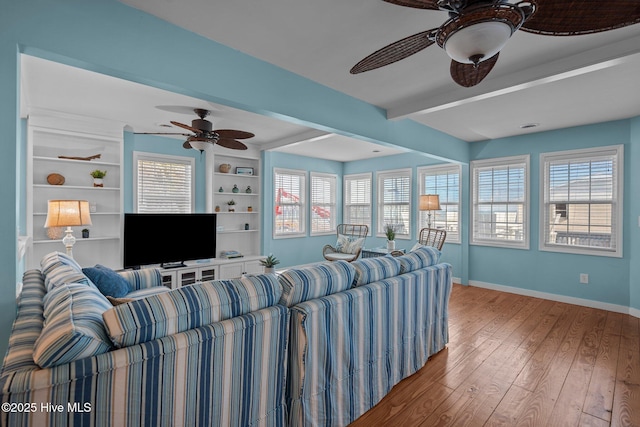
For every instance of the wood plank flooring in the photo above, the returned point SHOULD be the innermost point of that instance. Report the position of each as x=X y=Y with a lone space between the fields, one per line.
x=514 y=360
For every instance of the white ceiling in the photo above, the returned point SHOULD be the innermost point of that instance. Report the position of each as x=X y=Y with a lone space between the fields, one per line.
x=533 y=81
x=554 y=81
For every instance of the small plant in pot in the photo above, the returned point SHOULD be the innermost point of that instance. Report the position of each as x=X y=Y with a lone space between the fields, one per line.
x=85 y=233
x=391 y=236
x=269 y=263
x=231 y=203
x=98 y=177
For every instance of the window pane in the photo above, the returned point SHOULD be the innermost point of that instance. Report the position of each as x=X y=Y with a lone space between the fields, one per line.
x=164 y=186
x=289 y=202
x=357 y=199
x=323 y=199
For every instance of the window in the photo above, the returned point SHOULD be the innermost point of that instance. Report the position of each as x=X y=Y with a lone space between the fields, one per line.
x=500 y=202
x=357 y=199
x=444 y=181
x=289 y=192
x=582 y=201
x=394 y=202
x=163 y=184
x=323 y=203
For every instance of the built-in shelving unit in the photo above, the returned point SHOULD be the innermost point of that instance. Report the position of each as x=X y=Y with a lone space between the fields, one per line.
x=51 y=135
x=238 y=230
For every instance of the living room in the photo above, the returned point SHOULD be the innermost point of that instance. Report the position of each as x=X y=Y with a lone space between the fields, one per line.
x=115 y=39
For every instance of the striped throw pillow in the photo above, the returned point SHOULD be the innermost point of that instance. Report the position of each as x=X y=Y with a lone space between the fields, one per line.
x=73 y=327
x=189 y=307
x=370 y=270
x=424 y=256
x=143 y=278
x=57 y=259
x=314 y=281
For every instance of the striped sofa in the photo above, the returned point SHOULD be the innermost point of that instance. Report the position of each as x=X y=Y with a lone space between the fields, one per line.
x=315 y=346
x=359 y=328
x=211 y=354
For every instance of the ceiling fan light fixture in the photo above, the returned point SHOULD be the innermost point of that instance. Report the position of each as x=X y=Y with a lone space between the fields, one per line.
x=477 y=42
x=196 y=143
x=479 y=32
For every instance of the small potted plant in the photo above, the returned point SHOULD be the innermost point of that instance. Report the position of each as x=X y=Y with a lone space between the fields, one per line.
x=85 y=233
x=231 y=203
x=391 y=236
x=217 y=208
x=269 y=263
x=98 y=176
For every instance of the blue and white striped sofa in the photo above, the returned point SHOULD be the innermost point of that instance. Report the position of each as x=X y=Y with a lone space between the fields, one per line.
x=316 y=346
x=359 y=328
x=211 y=354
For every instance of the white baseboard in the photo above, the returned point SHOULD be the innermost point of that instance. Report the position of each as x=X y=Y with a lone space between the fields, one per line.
x=560 y=298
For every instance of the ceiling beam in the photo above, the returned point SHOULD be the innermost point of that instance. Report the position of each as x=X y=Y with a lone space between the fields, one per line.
x=306 y=136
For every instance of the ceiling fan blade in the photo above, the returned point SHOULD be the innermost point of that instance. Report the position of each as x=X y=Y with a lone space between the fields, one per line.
x=233 y=134
x=161 y=133
x=468 y=75
x=231 y=143
x=562 y=18
x=394 y=52
x=418 y=4
x=182 y=125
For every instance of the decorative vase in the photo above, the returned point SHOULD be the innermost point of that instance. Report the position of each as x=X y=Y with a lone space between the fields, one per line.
x=248 y=190
x=98 y=182
x=231 y=209
x=225 y=168
x=85 y=234
x=249 y=209
x=246 y=226
x=269 y=270
x=217 y=209
x=235 y=189
x=391 y=245
x=220 y=190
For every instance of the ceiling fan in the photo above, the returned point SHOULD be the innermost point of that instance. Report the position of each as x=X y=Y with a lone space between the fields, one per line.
x=203 y=133
x=477 y=30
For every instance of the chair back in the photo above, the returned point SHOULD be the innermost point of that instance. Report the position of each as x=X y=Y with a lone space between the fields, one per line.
x=355 y=230
x=432 y=237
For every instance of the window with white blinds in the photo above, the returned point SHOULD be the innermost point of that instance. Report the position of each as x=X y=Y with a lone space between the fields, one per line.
x=582 y=201
x=290 y=204
x=443 y=180
x=323 y=203
x=500 y=202
x=357 y=199
x=394 y=202
x=163 y=184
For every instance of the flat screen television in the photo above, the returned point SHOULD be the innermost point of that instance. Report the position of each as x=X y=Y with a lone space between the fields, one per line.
x=168 y=239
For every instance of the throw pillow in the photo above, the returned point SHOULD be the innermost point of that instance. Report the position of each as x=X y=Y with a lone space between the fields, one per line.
x=73 y=327
x=108 y=281
x=315 y=281
x=349 y=244
x=425 y=256
x=370 y=270
x=64 y=274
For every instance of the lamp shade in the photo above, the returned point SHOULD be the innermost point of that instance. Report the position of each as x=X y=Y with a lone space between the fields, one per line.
x=482 y=40
x=67 y=213
x=429 y=202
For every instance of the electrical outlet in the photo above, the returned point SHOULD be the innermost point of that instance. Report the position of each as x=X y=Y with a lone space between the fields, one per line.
x=584 y=278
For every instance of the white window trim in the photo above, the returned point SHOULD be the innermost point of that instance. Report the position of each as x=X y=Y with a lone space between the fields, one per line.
x=303 y=203
x=345 y=205
x=155 y=157
x=502 y=161
x=574 y=155
x=333 y=205
x=407 y=172
x=440 y=169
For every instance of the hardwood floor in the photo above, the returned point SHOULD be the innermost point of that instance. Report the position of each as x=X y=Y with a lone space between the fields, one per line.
x=514 y=360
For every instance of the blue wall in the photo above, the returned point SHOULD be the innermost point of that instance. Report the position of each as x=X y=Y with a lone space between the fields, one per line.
x=551 y=272
x=632 y=225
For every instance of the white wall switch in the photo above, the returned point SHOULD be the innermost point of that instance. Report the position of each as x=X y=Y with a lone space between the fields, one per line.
x=584 y=278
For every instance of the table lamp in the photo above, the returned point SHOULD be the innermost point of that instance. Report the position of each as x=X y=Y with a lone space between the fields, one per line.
x=68 y=213
x=429 y=202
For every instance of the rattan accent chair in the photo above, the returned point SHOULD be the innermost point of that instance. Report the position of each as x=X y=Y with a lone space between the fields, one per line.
x=355 y=235
x=432 y=237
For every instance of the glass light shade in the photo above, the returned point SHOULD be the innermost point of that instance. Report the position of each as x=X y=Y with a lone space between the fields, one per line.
x=67 y=213
x=429 y=202
x=484 y=38
x=198 y=144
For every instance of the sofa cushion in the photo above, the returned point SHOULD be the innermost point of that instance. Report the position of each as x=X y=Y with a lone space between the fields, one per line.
x=313 y=281
x=424 y=256
x=57 y=259
x=370 y=270
x=189 y=307
x=142 y=278
x=73 y=327
x=108 y=281
x=349 y=244
x=64 y=274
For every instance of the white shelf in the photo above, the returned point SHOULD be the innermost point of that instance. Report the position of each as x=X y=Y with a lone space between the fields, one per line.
x=85 y=162
x=241 y=193
x=236 y=175
x=78 y=240
x=237 y=213
x=76 y=187
x=237 y=231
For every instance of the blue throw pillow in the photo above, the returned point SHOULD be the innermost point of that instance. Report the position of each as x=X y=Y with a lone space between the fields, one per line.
x=107 y=281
